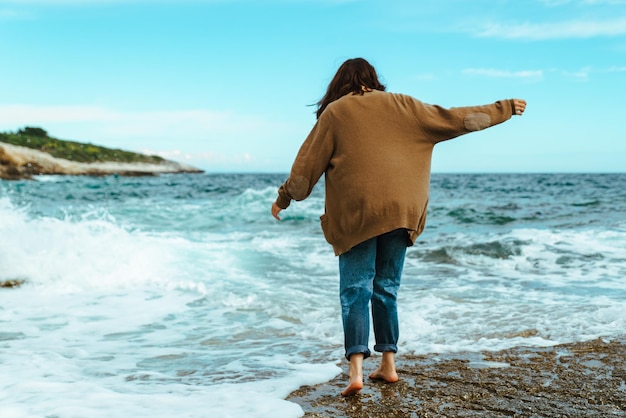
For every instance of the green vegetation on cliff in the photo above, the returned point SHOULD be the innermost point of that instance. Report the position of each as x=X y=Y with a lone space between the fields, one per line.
x=38 y=139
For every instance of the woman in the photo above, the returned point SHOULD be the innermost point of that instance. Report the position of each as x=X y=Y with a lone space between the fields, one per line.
x=375 y=149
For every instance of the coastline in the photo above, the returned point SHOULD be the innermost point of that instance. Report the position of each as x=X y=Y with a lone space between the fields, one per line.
x=17 y=162
x=568 y=380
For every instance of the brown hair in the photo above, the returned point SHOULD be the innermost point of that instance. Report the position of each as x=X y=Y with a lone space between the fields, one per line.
x=351 y=77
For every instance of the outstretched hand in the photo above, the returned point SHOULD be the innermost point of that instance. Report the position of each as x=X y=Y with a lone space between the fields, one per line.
x=519 y=106
x=276 y=210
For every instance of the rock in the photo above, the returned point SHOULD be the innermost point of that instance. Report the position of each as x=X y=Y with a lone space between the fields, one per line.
x=17 y=162
x=11 y=283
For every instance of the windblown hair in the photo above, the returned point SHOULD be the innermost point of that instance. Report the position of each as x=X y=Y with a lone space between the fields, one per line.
x=351 y=77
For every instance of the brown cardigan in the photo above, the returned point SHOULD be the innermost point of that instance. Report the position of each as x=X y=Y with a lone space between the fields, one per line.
x=375 y=150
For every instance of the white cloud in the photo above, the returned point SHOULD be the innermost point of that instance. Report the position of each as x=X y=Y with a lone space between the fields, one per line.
x=51 y=2
x=426 y=77
x=582 y=74
x=216 y=140
x=28 y=114
x=212 y=161
x=598 y=2
x=584 y=2
x=558 y=30
x=197 y=122
x=489 y=72
x=99 y=2
x=7 y=14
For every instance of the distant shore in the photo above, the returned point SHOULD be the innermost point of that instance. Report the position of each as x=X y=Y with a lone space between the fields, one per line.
x=570 y=380
x=17 y=162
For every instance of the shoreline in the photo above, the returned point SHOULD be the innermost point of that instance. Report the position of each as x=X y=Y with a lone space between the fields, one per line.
x=567 y=380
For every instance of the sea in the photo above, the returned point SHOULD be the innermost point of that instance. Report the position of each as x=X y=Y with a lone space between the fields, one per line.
x=180 y=295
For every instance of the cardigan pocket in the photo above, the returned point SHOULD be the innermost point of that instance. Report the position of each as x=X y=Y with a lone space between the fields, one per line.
x=326 y=229
x=422 y=220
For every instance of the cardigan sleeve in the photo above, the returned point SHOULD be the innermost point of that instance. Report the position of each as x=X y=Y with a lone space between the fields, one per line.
x=440 y=124
x=310 y=163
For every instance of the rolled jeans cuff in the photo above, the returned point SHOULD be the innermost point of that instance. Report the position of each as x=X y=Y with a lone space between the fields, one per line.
x=385 y=348
x=358 y=349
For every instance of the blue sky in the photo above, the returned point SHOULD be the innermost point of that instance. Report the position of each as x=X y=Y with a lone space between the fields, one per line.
x=227 y=85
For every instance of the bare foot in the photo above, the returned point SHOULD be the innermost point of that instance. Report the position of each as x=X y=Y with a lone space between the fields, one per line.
x=356 y=375
x=353 y=388
x=389 y=376
x=387 y=369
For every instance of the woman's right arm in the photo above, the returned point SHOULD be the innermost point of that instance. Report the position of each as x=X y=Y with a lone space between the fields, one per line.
x=441 y=124
x=310 y=163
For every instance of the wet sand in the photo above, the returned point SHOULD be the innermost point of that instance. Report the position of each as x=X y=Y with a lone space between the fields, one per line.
x=585 y=379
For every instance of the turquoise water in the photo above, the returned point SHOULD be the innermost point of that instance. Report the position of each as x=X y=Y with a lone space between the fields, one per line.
x=173 y=295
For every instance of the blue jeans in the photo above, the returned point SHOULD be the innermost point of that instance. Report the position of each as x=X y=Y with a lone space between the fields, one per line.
x=368 y=272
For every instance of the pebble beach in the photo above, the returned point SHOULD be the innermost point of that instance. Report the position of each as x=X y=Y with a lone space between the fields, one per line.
x=585 y=379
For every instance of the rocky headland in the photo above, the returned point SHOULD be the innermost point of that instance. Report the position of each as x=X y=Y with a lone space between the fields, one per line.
x=30 y=152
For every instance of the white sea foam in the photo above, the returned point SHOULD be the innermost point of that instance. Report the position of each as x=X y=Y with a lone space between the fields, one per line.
x=101 y=300
x=559 y=287
x=79 y=255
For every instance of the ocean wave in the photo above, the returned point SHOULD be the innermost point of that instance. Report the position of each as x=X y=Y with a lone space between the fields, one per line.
x=455 y=254
x=473 y=216
x=570 y=255
x=594 y=202
x=80 y=252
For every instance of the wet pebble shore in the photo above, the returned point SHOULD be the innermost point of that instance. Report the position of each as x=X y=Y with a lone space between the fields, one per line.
x=586 y=379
